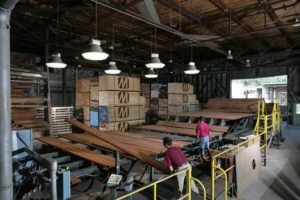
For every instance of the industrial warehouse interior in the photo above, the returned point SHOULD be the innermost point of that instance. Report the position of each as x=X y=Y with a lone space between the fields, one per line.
x=149 y=99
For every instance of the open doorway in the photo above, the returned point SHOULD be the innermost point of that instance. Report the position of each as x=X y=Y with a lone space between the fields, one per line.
x=268 y=88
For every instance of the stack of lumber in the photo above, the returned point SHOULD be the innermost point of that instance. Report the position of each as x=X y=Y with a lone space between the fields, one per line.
x=111 y=102
x=154 y=97
x=83 y=88
x=59 y=117
x=145 y=91
x=233 y=105
x=181 y=98
x=120 y=103
x=27 y=100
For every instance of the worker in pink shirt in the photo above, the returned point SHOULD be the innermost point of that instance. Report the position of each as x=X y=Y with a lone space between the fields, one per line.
x=203 y=132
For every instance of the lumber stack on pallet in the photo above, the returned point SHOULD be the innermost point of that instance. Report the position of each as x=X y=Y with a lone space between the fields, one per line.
x=27 y=100
x=59 y=117
x=181 y=98
x=111 y=102
x=145 y=91
x=233 y=105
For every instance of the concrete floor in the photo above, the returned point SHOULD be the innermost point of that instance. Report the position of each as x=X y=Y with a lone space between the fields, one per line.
x=280 y=179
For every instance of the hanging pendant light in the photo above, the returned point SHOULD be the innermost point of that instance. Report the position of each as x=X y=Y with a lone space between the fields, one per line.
x=191 y=69
x=297 y=22
x=112 y=68
x=151 y=74
x=229 y=55
x=155 y=61
x=112 y=64
x=95 y=52
x=55 y=60
x=248 y=64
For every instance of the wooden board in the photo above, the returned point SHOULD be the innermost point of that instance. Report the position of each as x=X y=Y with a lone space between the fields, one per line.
x=176 y=130
x=120 y=98
x=163 y=103
x=114 y=83
x=126 y=148
x=223 y=129
x=233 y=105
x=81 y=152
x=179 y=88
x=248 y=164
x=213 y=115
x=181 y=99
x=94 y=93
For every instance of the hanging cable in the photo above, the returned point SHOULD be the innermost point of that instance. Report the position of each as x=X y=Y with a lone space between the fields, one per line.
x=113 y=36
x=96 y=19
x=155 y=40
x=57 y=24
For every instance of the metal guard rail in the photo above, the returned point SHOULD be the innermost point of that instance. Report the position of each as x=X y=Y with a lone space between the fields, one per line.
x=188 y=195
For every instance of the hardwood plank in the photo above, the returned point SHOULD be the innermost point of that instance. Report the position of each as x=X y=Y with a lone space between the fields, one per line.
x=213 y=115
x=175 y=130
x=129 y=149
x=193 y=126
x=79 y=151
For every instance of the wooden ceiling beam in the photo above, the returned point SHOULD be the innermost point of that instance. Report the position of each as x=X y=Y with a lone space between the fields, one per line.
x=224 y=8
x=275 y=18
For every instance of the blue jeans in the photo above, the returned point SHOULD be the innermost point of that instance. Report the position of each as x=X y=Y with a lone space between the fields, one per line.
x=204 y=142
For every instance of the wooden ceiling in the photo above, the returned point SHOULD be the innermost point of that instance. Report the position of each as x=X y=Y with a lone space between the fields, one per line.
x=247 y=27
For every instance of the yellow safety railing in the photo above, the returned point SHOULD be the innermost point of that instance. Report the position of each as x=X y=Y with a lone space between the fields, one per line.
x=153 y=185
x=258 y=133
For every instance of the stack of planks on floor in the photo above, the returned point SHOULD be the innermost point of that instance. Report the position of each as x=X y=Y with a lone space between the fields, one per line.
x=111 y=102
x=181 y=98
x=27 y=100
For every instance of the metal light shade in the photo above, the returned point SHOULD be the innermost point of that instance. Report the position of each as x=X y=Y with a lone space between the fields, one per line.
x=297 y=22
x=155 y=62
x=248 y=64
x=151 y=74
x=112 y=69
x=56 y=62
x=229 y=56
x=191 y=69
x=95 y=52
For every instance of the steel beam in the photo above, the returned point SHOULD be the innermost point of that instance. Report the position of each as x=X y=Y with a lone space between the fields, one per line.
x=6 y=182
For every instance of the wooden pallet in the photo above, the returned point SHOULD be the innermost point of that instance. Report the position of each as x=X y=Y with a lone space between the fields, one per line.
x=213 y=115
x=59 y=117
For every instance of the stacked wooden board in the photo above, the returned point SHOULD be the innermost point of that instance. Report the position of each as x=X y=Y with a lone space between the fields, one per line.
x=27 y=100
x=233 y=105
x=145 y=91
x=111 y=102
x=181 y=98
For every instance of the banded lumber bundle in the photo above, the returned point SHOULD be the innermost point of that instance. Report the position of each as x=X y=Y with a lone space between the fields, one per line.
x=233 y=105
x=181 y=99
x=81 y=152
x=223 y=129
x=133 y=151
x=121 y=113
x=182 y=108
x=121 y=126
x=122 y=83
x=119 y=98
x=179 y=88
